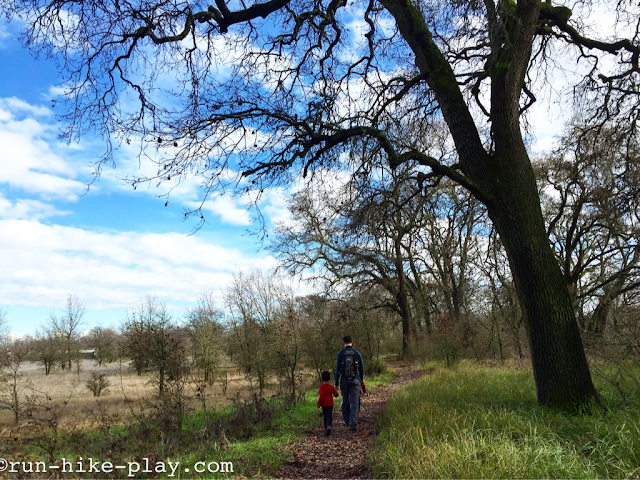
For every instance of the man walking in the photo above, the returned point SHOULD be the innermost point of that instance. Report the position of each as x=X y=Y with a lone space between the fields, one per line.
x=349 y=375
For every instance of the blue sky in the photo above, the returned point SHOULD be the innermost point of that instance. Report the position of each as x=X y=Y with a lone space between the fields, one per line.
x=109 y=245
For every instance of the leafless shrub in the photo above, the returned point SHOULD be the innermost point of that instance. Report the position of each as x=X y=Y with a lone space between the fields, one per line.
x=98 y=384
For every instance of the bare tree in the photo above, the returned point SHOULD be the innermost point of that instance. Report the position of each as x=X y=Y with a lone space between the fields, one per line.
x=387 y=232
x=13 y=396
x=591 y=189
x=361 y=234
x=4 y=326
x=155 y=343
x=450 y=240
x=4 y=339
x=502 y=313
x=207 y=333
x=264 y=326
x=66 y=327
x=135 y=345
x=320 y=332
x=47 y=348
x=298 y=93
x=104 y=342
x=252 y=304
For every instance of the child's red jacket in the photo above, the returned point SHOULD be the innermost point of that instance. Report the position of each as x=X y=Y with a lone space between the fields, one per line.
x=327 y=392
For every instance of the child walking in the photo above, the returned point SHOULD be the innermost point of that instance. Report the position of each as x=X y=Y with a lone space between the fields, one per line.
x=327 y=392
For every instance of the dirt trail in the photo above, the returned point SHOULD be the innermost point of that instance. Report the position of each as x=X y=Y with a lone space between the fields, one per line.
x=344 y=454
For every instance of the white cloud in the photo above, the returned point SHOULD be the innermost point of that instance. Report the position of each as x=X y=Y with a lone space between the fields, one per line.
x=28 y=209
x=276 y=205
x=230 y=210
x=32 y=162
x=5 y=35
x=27 y=161
x=273 y=204
x=57 y=91
x=13 y=104
x=14 y=337
x=43 y=263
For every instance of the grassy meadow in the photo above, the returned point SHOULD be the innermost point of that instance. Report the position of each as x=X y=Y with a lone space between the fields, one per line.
x=473 y=420
x=482 y=421
x=126 y=424
x=126 y=391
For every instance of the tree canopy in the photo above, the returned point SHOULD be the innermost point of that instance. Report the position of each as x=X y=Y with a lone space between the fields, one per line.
x=248 y=95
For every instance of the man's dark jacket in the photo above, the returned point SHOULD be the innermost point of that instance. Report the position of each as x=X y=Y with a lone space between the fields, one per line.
x=358 y=357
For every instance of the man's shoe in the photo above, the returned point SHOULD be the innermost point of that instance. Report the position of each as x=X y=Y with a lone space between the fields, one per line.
x=328 y=431
x=353 y=429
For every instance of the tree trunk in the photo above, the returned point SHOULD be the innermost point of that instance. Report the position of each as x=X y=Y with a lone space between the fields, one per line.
x=402 y=297
x=403 y=309
x=560 y=366
x=161 y=375
x=405 y=336
x=601 y=316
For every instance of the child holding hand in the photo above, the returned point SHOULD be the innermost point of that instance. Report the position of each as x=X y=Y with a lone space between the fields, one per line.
x=327 y=392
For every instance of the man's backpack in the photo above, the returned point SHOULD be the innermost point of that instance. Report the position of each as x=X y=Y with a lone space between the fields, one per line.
x=349 y=364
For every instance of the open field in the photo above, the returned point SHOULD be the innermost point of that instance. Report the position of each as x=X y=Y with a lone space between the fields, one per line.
x=128 y=393
x=482 y=421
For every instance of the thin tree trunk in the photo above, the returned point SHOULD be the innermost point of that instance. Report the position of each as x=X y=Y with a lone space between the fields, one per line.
x=598 y=320
x=402 y=298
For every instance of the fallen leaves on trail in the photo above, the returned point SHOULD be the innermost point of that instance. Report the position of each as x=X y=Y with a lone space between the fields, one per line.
x=344 y=453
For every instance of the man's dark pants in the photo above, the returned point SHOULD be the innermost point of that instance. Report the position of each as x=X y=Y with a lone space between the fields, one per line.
x=350 y=401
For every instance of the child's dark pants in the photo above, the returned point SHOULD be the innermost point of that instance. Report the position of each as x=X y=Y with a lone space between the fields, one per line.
x=327 y=412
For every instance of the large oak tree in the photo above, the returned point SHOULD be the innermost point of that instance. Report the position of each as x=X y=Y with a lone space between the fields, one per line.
x=268 y=90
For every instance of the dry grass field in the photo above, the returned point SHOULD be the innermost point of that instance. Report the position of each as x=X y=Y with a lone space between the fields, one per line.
x=128 y=394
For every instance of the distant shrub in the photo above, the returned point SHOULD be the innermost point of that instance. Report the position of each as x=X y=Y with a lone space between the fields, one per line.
x=98 y=384
x=450 y=341
x=375 y=367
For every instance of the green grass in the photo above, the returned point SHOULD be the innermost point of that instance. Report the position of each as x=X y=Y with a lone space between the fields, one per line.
x=385 y=378
x=257 y=442
x=477 y=421
x=266 y=450
x=260 y=454
x=258 y=451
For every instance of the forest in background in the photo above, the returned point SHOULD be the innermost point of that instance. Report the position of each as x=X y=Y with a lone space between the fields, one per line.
x=401 y=271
